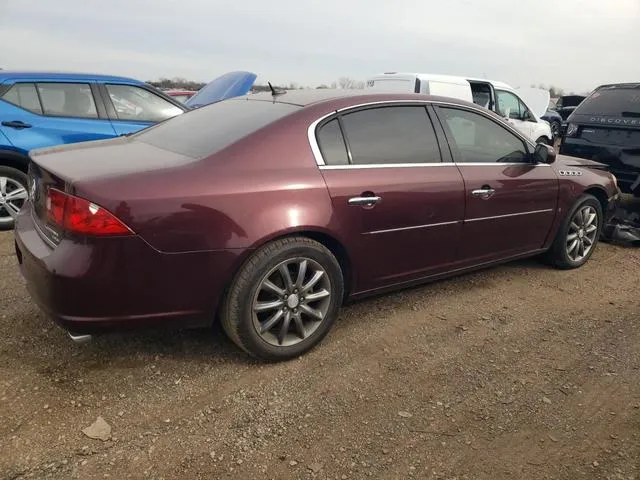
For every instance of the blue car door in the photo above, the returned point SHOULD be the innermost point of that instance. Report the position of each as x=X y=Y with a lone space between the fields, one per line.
x=44 y=114
x=134 y=107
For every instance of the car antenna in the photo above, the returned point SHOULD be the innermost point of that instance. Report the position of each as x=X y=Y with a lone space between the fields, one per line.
x=275 y=92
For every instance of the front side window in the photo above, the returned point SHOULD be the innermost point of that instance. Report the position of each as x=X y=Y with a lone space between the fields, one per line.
x=391 y=135
x=67 y=100
x=139 y=104
x=24 y=95
x=509 y=106
x=476 y=138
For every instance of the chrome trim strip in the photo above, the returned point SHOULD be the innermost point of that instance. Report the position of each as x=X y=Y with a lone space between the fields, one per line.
x=508 y=215
x=385 y=165
x=441 y=164
x=41 y=233
x=315 y=148
x=415 y=227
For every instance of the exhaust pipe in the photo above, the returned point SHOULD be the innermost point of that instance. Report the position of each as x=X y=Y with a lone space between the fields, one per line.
x=80 y=338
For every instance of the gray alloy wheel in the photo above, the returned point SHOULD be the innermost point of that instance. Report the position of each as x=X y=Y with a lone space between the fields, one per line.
x=291 y=302
x=581 y=236
x=284 y=299
x=555 y=130
x=13 y=194
x=578 y=234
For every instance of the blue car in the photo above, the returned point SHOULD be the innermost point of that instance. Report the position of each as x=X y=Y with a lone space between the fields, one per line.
x=46 y=109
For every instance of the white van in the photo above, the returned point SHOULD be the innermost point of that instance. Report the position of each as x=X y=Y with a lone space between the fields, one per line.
x=496 y=96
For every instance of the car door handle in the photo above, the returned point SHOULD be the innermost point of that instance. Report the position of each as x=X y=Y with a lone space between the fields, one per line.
x=364 y=201
x=483 y=192
x=16 y=124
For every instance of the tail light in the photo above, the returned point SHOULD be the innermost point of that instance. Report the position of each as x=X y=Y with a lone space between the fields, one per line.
x=80 y=216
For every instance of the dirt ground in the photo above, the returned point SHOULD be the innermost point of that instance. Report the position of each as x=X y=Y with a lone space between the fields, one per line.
x=515 y=372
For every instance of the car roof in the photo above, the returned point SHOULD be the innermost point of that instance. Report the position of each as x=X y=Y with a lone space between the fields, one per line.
x=306 y=97
x=63 y=76
x=620 y=85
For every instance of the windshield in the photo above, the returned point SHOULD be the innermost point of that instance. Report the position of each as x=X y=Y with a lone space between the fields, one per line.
x=209 y=129
x=612 y=101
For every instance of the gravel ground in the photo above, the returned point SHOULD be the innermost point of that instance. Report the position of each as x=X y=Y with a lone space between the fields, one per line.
x=519 y=371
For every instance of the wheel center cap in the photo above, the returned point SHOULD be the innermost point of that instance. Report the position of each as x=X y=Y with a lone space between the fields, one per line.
x=293 y=301
x=581 y=233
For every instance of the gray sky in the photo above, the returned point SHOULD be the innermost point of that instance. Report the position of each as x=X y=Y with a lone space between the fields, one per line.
x=573 y=44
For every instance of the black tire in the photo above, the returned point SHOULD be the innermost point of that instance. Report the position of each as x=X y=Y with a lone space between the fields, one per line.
x=13 y=175
x=555 y=130
x=558 y=255
x=237 y=313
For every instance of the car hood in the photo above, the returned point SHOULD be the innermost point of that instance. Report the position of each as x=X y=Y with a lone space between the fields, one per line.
x=229 y=85
x=567 y=161
x=537 y=99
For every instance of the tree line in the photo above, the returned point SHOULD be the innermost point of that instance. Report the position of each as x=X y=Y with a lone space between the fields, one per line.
x=184 y=84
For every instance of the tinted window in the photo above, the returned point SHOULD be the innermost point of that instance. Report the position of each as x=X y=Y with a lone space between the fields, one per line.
x=332 y=144
x=612 y=101
x=67 y=100
x=508 y=105
x=24 y=95
x=391 y=135
x=209 y=129
x=135 y=103
x=478 y=139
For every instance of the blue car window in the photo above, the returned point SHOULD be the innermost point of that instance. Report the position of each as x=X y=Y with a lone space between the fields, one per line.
x=138 y=104
x=24 y=95
x=67 y=100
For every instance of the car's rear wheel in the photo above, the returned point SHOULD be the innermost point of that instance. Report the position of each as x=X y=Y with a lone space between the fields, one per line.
x=555 y=130
x=13 y=194
x=578 y=235
x=284 y=299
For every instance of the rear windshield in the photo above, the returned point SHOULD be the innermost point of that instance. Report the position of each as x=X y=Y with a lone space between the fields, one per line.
x=623 y=102
x=209 y=129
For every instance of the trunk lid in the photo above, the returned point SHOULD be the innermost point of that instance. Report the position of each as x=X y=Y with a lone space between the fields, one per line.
x=229 y=85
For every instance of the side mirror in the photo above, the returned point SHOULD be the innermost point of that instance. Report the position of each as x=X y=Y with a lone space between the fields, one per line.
x=544 y=154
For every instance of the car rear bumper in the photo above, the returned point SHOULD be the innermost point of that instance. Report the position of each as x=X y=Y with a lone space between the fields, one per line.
x=623 y=162
x=120 y=283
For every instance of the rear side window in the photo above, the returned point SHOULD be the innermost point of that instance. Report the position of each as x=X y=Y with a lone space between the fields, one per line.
x=67 y=100
x=624 y=102
x=331 y=142
x=209 y=129
x=24 y=95
x=391 y=135
x=139 y=104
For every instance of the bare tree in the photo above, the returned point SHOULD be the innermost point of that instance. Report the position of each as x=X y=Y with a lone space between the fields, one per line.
x=345 y=83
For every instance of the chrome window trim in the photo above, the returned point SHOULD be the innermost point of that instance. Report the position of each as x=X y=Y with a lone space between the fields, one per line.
x=415 y=227
x=315 y=148
x=546 y=210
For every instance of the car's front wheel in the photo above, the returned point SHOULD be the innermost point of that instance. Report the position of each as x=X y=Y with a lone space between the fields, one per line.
x=284 y=299
x=13 y=194
x=578 y=235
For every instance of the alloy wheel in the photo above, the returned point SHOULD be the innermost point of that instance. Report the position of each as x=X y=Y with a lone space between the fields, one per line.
x=291 y=302
x=582 y=233
x=12 y=197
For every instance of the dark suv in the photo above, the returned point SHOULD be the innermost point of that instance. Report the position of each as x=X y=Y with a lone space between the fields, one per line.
x=605 y=127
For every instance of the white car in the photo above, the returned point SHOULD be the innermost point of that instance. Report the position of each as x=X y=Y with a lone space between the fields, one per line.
x=522 y=108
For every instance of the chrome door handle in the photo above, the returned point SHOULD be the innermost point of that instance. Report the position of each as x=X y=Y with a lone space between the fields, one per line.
x=483 y=192
x=364 y=201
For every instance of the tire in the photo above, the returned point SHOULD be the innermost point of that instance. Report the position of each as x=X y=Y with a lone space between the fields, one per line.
x=560 y=254
x=544 y=140
x=247 y=294
x=555 y=130
x=11 y=180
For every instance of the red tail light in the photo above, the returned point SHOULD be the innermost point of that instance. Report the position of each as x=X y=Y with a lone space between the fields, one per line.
x=80 y=216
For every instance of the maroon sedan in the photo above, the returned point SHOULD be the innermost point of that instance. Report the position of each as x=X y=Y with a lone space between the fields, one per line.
x=269 y=211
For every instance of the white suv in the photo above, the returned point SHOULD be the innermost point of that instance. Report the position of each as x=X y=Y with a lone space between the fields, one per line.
x=496 y=96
